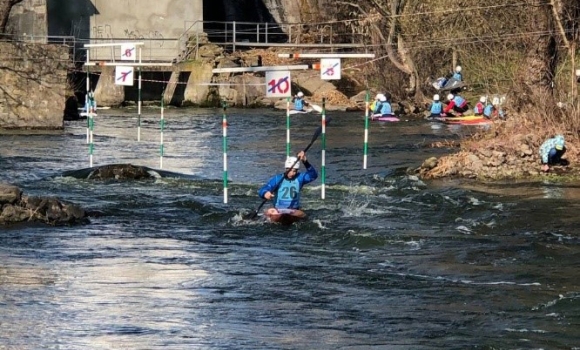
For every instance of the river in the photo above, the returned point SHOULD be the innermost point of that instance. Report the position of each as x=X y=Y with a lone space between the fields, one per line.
x=385 y=261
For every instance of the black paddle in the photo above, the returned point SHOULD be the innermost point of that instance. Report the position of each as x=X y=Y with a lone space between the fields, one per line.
x=317 y=133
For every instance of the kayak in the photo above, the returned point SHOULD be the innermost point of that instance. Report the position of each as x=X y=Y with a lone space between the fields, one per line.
x=384 y=118
x=295 y=111
x=480 y=121
x=465 y=119
x=313 y=108
x=284 y=216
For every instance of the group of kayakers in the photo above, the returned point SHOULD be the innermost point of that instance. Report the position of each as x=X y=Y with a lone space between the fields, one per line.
x=457 y=105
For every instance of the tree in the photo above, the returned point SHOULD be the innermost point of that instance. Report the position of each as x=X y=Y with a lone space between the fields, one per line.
x=5 y=7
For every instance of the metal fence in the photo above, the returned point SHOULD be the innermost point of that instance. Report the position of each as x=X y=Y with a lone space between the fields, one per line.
x=330 y=36
x=235 y=35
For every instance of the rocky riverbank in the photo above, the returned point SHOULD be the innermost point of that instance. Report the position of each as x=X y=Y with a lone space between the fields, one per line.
x=17 y=208
x=508 y=150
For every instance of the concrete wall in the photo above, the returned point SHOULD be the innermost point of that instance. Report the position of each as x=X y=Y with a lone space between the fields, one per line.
x=34 y=81
x=28 y=18
x=158 y=23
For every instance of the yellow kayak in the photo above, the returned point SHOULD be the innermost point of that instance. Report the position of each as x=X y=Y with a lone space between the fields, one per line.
x=450 y=118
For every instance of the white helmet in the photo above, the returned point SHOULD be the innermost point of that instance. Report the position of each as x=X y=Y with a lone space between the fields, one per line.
x=383 y=98
x=482 y=99
x=378 y=97
x=292 y=162
x=458 y=69
x=300 y=94
x=435 y=97
x=450 y=97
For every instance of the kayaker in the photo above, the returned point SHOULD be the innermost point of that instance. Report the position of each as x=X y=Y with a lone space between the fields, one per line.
x=552 y=151
x=480 y=106
x=457 y=75
x=436 y=107
x=488 y=110
x=383 y=108
x=299 y=102
x=285 y=188
x=456 y=103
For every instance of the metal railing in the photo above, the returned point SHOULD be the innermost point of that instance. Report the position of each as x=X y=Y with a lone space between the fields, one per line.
x=330 y=36
x=234 y=35
x=69 y=41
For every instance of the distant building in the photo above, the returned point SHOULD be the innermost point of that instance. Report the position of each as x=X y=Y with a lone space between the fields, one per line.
x=160 y=24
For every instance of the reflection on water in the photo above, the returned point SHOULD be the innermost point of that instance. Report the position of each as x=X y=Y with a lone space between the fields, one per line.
x=386 y=261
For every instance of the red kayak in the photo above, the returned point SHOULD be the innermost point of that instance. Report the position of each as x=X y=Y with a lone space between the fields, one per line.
x=284 y=216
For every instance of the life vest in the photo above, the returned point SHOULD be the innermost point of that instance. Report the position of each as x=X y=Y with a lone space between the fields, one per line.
x=386 y=108
x=488 y=110
x=298 y=104
x=436 y=107
x=459 y=101
x=288 y=196
x=457 y=76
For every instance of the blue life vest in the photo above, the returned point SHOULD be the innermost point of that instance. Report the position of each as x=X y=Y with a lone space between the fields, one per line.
x=288 y=196
x=298 y=104
x=436 y=107
x=457 y=76
x=386 y=108
x=459 y=101
x=487 y=111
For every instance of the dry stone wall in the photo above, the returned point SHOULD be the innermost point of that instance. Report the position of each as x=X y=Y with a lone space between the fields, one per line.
x=33 y=83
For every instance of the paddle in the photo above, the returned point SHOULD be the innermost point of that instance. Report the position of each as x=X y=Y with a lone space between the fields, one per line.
x=317 y=133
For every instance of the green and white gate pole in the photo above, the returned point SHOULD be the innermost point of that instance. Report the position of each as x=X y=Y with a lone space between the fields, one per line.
x=161 y=126
x=225 y=145
x=288 y=127
x=366 y=140
x=323 y=157
x=139 y=103
x=91 y=122
x=91 y=113
x=88 y=85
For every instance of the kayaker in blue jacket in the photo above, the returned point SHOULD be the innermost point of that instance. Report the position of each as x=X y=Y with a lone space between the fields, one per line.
x=285 y=188
x=299 y=102
x=552 y=151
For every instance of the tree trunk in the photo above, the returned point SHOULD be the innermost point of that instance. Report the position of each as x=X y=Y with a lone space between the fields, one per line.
x=536 y=74
x=5 y=7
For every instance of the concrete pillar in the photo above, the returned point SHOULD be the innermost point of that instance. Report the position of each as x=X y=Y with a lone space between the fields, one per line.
x=107 y=93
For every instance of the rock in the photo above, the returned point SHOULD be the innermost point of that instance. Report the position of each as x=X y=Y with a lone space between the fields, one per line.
x=474 y=163
x=498 y=154
x=120 y=172
x=485 y=152
x=9 y=194
x=429 y=163
x=11 y=214
x=210 y=51
x=40 y=209
x=525 y=150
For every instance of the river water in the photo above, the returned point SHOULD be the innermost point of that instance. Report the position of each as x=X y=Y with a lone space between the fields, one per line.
x=385 y=261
